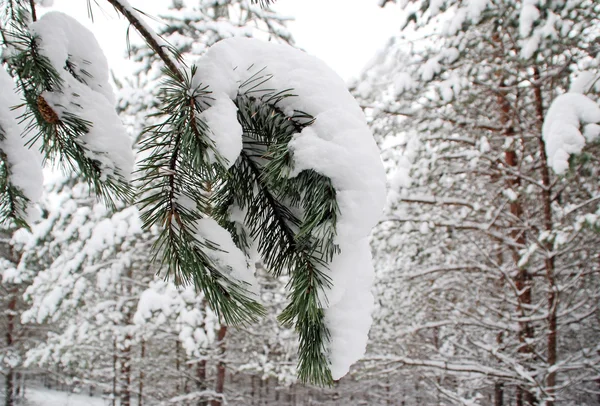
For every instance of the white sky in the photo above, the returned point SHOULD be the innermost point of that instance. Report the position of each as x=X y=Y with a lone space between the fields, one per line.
x=343 y=33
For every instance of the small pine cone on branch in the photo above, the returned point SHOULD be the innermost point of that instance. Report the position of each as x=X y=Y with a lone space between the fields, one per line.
x=46 y=111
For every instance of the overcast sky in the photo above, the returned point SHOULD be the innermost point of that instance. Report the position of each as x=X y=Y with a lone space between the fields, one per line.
x=343 y=33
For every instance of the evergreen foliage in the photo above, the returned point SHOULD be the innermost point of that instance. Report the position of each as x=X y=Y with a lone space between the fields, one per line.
x=182 y=179
x=59 y=138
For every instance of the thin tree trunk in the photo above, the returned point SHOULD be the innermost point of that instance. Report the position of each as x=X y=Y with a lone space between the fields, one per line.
x=201 y=380
x=114 y=382
x=549 y=261
x=126 y=351
x=10 y=331
x=201 y=366
x=126 y=374
x=499 y=386
x=220 y=384
x=523 y=277
x=177 y=367
x=141 y=385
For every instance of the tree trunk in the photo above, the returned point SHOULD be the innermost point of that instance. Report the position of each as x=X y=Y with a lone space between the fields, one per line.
x=177 y=367
x=114 y=382
x=126 y=351
x=8 y=388
x=10 y=331
x=523 y=277
x=549 y=261
x=201 y=380
x=220 y=384
x=141 y=386
x=126 y=374
x=499 y=386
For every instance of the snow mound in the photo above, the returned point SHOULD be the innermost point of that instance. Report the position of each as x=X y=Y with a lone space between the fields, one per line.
x=561 y=130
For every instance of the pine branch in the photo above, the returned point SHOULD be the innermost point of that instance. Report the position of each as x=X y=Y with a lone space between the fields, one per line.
x=13 y=203
x=33 y=13
x=60 y=137
x=148 y=36
x=302 y=245
x=263 y=3
x=177 y=176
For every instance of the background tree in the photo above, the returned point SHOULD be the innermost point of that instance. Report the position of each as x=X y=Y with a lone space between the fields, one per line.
x=495 y=257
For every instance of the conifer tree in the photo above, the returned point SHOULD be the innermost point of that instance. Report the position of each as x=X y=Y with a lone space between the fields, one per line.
x=228 y=164
x=492 y=239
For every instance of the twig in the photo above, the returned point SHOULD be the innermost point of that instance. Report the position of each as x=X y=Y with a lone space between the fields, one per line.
x=148 y=37
x=33 y=14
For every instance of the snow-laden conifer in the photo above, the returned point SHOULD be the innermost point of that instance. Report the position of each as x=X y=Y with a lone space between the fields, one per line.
x=250 y=127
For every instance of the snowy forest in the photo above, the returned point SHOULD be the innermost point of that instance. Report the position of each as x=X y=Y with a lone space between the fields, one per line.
x=234 y=224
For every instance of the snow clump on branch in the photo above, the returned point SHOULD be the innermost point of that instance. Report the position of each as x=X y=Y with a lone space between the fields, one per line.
x=338 y=145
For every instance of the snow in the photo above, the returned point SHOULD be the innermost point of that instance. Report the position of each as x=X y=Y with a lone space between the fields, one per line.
x=529 y=15
x=25 y=164
x=227 y=257
x=225 y=130
x=338 y=145
x=163 y=300
x=63 y=39
x=48 y=397
x=401 y=176
x=510 y=194
x=45 y=3
x=475 y=8
x=402 y=82
x=430 y=68
x=591 y=132
x=584 y=81
x=561 y=129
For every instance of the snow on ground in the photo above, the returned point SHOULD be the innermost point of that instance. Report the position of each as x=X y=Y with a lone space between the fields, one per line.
x=47 y=397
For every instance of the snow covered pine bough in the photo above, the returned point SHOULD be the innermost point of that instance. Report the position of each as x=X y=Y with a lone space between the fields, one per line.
x=260 y=154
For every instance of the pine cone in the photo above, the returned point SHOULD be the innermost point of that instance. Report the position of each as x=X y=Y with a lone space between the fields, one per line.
x=46 y=111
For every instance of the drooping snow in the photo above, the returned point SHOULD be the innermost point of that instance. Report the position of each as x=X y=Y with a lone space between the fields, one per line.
x=225 y=130
x=25 y=163
x=338 y=145
x=561 y=130
x=86 y=92
x=228 y=258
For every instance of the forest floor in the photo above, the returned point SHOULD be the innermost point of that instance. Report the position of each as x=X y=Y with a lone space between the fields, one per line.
x=48 y=397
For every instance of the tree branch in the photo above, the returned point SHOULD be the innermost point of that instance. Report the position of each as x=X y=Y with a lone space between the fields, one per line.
x=33 y=13
x=148 y=36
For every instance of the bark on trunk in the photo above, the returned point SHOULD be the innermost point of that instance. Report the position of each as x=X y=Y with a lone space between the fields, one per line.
x=10 y=330
x=114 y=382
x=220 y=384
x=549 y=262
x=141 y=386
x=523 y=277
x=201 y=380
x=126 y=375
x=499 y=386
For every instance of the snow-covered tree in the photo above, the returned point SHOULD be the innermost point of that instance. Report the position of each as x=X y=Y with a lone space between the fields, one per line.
x=495 y=271
x=91 y=266
x=256 y=145
x=16 y=337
